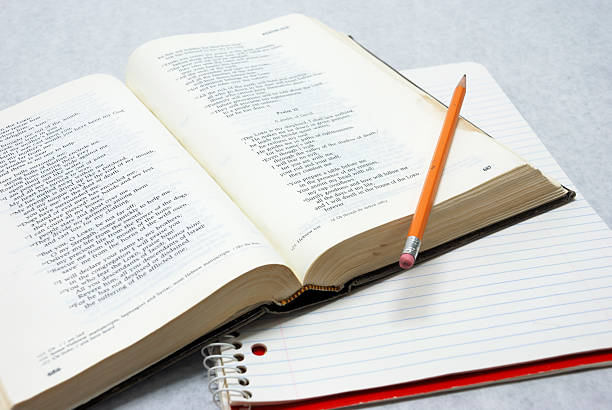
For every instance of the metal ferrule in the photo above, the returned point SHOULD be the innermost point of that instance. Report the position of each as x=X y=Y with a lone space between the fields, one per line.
x=412 y=246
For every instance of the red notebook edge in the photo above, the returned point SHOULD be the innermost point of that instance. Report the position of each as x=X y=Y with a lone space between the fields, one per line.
x=515 y=372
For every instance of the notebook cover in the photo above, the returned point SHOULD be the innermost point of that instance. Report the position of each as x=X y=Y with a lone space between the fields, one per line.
x=313 y=297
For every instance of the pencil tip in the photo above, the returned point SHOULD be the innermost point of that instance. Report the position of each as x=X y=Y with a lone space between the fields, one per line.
x=462 y=82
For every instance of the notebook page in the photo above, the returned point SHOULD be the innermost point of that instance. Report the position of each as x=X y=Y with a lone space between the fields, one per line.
x=511 y=297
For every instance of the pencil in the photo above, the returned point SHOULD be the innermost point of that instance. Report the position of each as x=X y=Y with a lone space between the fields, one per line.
x=432 y=180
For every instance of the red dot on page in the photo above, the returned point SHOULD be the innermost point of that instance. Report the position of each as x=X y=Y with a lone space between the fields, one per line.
x=259 y=349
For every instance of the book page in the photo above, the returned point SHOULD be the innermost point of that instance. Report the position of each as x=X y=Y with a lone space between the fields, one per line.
x=314 y=141
x=511 y=297
x=110 y=229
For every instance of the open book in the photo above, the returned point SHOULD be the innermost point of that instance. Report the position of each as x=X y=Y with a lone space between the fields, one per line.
x=284 y=159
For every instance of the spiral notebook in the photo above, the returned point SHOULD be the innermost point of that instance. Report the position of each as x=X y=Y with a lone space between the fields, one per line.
x=511 y=305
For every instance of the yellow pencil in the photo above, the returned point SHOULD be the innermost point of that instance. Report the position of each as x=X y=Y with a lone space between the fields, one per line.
x=428 y=194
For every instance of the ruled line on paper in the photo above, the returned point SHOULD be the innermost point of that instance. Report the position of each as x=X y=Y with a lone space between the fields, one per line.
x=454 y=322
x=398 y=332
x=381 y=346
x=471 y=298
x=378 y=369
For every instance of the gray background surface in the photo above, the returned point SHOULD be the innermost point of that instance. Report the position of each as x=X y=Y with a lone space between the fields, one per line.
x=552 y=58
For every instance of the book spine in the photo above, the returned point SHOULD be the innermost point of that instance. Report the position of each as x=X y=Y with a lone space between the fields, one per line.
x=225 y=373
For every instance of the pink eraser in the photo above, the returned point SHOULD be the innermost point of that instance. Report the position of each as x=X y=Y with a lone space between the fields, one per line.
x=406 y=261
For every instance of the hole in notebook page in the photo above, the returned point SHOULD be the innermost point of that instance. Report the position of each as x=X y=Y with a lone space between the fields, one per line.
x=237 y=345
x=239 y=357
x=241 y=369
x=259 y=349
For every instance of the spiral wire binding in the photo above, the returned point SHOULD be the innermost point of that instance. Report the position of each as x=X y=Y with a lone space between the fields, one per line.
x=224 y=374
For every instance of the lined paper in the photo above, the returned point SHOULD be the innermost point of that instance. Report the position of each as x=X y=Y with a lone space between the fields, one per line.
x=539 y=289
